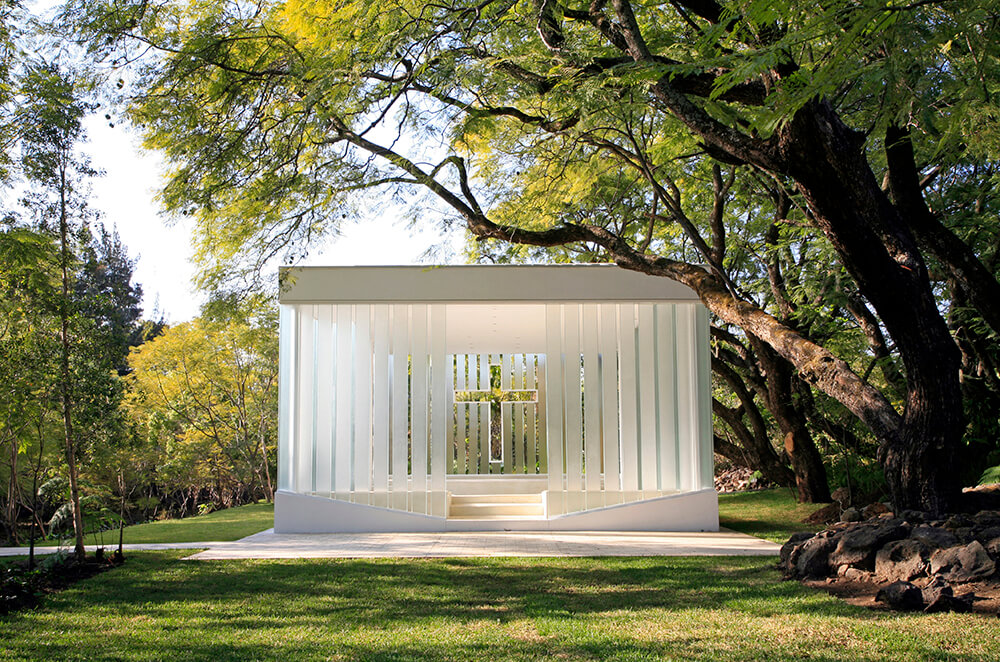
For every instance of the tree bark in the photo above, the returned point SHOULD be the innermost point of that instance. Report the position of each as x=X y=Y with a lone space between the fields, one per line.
x=756 y=443
x=955 y=256
x=827 y=161
x=65 y=386
x=807 y=463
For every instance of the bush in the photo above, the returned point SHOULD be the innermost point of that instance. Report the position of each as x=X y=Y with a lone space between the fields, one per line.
x=990 y=476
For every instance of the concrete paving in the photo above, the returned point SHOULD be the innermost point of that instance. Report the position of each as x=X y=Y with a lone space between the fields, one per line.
x=269 y=545
x=131 y=547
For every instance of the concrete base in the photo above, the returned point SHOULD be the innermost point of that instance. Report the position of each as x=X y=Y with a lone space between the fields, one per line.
x=688 y=511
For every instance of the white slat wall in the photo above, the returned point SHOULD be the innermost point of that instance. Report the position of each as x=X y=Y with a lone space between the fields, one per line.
x=400 y=394
x=647 y=402
x=520 y=442
x=530 y=435
x=478 y=462
x=541 y=425
x=609 y=400
x=288 y=366
x=441 y=411
x=703 y=395
x=361 y=488
x=342 y=447
x=326 y=401
x=687 y=407
x=381 y=350
x=367 y=392
x=305 y=394
x=506 y=415
x=627 y=401
x=572 y=393
x=666 y=377
x=484 y=416
x=419 y=408
x=554 y=407
x=462 y=428
x=591 y=406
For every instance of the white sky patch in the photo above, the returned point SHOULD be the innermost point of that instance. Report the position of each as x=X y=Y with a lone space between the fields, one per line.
x=126 y=197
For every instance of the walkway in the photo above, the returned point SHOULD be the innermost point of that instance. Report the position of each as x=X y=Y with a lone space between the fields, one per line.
x=269 y=545
x=109 y=548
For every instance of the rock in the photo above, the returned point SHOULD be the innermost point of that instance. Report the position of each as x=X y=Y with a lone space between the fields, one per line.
x=858 y=545
x=794 y=541
x=812 y=558
x=987 y=534
x=825 y=515
x=965 y=534
x=903 y=596
x=993 y=548
x=963 y=563
x=738 y=479
x=914 y=516
x=949 y=602
x=958 y=521
x=935 y=588
x=841 y=496
x=851 y=514
x=934 y=537
x=874 y=510
x=901 y=560
x=983 y=497
x=855 y=575
x=986 y=518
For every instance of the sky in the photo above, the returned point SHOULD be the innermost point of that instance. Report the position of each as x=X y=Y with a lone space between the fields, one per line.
x=126 y=196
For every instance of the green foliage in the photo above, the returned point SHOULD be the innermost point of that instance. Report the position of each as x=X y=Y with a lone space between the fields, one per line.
x=281 y=122
x=220 y=525
x=719 y=609
x=205 y=395
x=991 y=476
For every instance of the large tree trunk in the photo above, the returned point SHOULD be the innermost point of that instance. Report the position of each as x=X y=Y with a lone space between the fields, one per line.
x=756 y=444
x=956 y=257
x=65 y=386
x=807 y=463
x=828 y=162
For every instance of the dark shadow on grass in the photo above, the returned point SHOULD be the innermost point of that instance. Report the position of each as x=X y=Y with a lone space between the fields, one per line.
x=198 y=610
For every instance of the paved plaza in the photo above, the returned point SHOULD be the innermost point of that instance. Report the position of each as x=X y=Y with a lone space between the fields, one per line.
x=269 y=545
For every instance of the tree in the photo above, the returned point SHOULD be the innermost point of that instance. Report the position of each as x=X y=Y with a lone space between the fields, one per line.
x=216 y=383
x=28 y=277
x=50 y=124
x=276 y=116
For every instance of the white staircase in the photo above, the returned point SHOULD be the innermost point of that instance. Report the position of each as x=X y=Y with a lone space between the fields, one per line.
x=496 y=507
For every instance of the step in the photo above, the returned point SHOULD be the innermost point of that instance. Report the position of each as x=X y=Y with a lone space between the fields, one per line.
x=498 y=518
x=496 y=506
x=482 y=510
x=495 y=498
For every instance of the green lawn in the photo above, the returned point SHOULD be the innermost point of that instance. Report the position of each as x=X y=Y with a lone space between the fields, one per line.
x=229 y=524
x=770 y=514
x=159 y=607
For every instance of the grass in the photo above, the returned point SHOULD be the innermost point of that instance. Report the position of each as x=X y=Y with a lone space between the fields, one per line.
x=228 y=524
x=770 y=514
x=157 y=606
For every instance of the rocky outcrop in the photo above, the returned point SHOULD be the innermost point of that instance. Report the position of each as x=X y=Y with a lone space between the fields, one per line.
x=918 y=561
x=961 y=564
x=901 y=560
